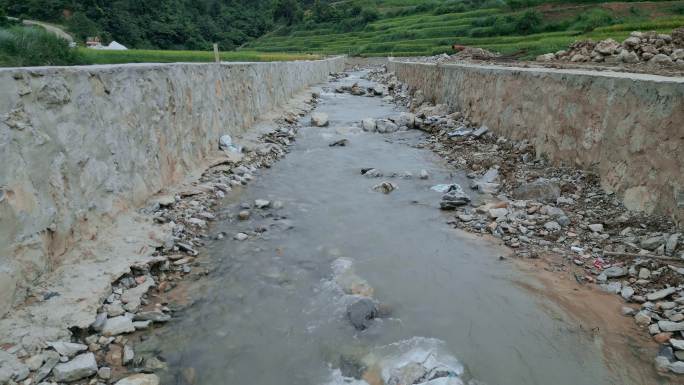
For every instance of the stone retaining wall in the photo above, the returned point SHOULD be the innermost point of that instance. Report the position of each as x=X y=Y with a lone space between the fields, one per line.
x=79 y=145
x=629 y=126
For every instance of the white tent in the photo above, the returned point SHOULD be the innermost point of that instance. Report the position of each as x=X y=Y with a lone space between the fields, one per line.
x=114 y=46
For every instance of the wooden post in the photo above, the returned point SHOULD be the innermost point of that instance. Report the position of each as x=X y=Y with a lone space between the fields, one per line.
x=217 y=59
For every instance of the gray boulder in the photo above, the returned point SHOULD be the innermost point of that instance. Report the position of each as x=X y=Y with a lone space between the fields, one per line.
x=454 y=198
x=361 y=313
x=368 y=124
x=319 y=119
x=541 y=190
x=11 y=368
x=385 y=126
x=81 y=366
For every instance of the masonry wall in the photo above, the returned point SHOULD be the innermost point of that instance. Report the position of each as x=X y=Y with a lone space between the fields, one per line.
x=79 y=145
x=629 y=126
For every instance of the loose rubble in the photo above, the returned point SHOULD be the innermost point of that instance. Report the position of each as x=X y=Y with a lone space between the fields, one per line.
x=650 y=48
x=536 y=207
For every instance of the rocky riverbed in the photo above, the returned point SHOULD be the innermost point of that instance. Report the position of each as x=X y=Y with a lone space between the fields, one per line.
x=535 y=207
x=333 y=266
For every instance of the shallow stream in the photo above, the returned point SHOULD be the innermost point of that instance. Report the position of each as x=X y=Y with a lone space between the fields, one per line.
x=270 y=312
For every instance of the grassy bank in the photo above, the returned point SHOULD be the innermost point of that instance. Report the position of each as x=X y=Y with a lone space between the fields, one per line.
x=405 y=30
x=158 y=56
x=32 y=46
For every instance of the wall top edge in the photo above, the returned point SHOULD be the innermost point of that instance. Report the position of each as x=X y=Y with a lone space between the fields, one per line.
x=555 y=71
x=110 y=67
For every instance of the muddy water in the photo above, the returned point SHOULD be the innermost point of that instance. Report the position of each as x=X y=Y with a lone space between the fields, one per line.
x=270 y=315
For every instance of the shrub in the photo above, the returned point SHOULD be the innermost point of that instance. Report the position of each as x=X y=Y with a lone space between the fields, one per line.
x=529 y=22
x=678 y=9
x=369 y=14
x=595 y=17
x=32 y=46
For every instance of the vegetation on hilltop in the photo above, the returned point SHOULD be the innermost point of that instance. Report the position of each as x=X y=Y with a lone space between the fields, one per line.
x=525 y=27
x=356 y=27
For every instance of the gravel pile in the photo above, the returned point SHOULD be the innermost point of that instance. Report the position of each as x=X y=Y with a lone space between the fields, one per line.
x=639 y=48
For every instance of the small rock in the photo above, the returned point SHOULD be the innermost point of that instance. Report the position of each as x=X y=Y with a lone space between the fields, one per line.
x=546 y=57
x=319 y=119
x=453 y=198
x=677 y=344
x=68 y=349
x=661 y=60
x=480 y=131
x=100 y=320
x=114 y=356
x=114 y=309
x=552 y=226
x=615 y=272
x=498 y=213
x=81 y=366
x=611 y=287
x=154 y=363
x=628 y=311
x=361 y=313
x=671 y=244
x=385 y=126
x=627 y=292
x=669 y=326
x=51 y=359
x=642 y=318
x=368 y=125
x=662 y=338
x=677 y=367
x=653 y=329
x=128 y=354
x=652 y=243
x=140 y=379
x=35 y=362
x=385 y=187
x=241 y=236
x=154 y=316
x=11 y=368
x=465 y=217
x=339 y=143
x=662 y=364
x=243 y=215
x=541 y=190
x=597 y=228
x=118 y=325
x=660 y=294
x=104 y=373
x=424 y=174
x=644 y=273
x=262 y=203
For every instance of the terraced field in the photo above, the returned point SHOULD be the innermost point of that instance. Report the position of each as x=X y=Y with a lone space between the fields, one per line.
x=428 y=33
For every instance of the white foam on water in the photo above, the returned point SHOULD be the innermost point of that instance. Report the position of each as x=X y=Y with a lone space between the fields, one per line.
x=336 y=378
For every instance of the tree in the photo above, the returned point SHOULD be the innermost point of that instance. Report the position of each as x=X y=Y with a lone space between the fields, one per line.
x=3 y=16
x=80 y=25
x=288 y=11
x=321 y=12
x=528 y=22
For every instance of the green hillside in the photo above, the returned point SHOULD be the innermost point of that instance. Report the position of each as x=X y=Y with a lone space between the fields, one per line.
x=411 y=27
